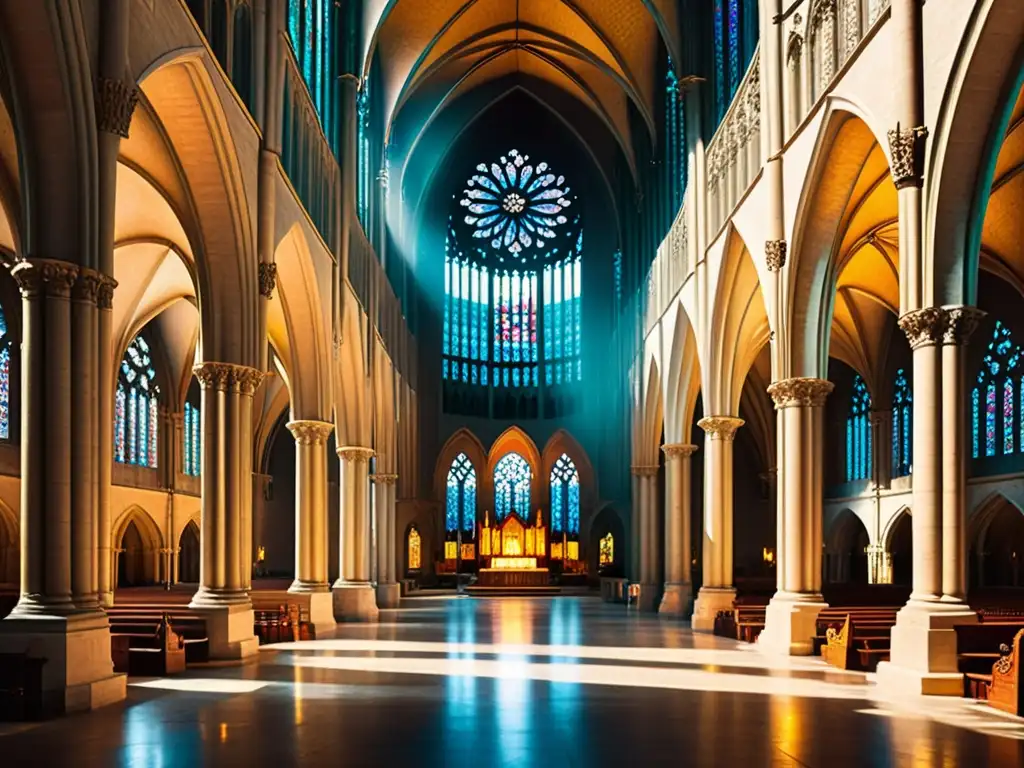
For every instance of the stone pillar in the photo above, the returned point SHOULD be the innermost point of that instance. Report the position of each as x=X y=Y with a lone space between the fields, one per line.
x=311 y=521
x=923 y=658
x=645 y=495
x=106 y=375
x=57 y=616
x=717 y=592
x=678 y=590
x=354 y=598
x=881 y=447
x=223 y=596
x=388 y=589
x=635 y=536
x=793 y=610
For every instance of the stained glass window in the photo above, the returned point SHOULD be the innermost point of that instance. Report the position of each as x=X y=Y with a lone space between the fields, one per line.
x=193 y=440
x=721 y=98
x=460 y=498
x=995 y=410
x=136 y=407
x=607 y=551
x=858 y=433
x=512 y=487
x=562 y=319
x=565 y=497
x=902 y=415
x=733 y=32
x=5 y=379
x=309 y=27
x=365 y=171
x=415 y=556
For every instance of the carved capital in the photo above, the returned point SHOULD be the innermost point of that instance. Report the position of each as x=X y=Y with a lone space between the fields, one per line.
x=308 y=432
x=906 y=146
x=87 y=285
x=384 y=478
x=115 y=103
x=228 y=377
x=960 y=324
x=268 y=279
x=643 y=471
x=355 y=453
x=923 y=326
x=800 y=392
x=721 y=427
x=678 y=450
x=45 y=277
x=775 y=254
x=105 y=292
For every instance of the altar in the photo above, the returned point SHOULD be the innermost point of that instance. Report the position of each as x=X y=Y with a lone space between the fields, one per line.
x=513 y=554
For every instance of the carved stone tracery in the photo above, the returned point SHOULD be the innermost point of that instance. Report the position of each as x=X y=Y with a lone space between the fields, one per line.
x=800 y=392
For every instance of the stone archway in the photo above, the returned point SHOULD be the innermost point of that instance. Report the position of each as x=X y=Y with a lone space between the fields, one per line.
x=900 y=549
x=188 y=554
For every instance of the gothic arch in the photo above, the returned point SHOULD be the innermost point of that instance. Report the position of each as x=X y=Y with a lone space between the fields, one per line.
x=10 y=552
x=513 y=440
x=562 y=442
x=683 y=380
x=353 y=405
x=650 y=418
x=145 y=564
x=461 y=441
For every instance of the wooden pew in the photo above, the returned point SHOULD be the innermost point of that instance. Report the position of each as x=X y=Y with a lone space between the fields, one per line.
x=21 y=687
x=136 y=619
x=1006 y=692
x=978 y=649
x=858 y=643
x=144 y=648
x=861 y=615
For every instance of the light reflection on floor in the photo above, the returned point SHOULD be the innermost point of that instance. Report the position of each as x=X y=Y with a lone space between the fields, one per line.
x=516 y=683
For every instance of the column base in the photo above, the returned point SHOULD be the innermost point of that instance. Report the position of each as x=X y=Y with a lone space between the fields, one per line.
x=389 y=595
x=711 y=600
x=790 y=624
x=675 y=600
x=78 y=674
x=923 y=649
x=318 y=600
x=354 y=601
x=229 y=625
x=106 y=599
x=650 y=597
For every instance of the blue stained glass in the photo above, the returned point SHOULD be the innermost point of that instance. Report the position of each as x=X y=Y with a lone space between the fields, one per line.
x=143 y=420
x=975 y=422
x=990 y=420
x=565 y=496
x=1008 y=399
x=901 y=428
x=556 y=506
x=469 y=502
x=574 y=504
x=451 y=518
x=5 y=390
x=1002 y=358
x=133 y=456
x=444 y=370
x=512 y=487
x=858 y=433
x=307 y=44
x=734 y=46
x=719 y=45
x=120 y=408
x=460 y=498
x=294 y=10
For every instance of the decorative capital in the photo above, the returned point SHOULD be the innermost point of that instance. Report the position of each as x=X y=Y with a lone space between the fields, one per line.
x=45 y=277
x=906 y=146
x=678 y=450
x=800 y=392
x=960 y=324
x=355 y=453
x=775 y=254
x=308 y=432
x=721 y=427
x=115 y=103
x=924 y=326
x=105 y=292
x=384 y=478
x=268 y=279
x=643 y=471
x=228 y=377
x=87 y=285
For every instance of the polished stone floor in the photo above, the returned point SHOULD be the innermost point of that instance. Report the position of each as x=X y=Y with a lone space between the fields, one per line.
x=513 y=683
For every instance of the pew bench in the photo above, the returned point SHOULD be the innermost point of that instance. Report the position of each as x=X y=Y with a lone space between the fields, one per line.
x=191 y=629
x=982 y=647
x=857 y=644
x=147 y=648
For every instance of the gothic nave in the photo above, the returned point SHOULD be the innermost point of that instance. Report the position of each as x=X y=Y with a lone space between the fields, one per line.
x=512 y=382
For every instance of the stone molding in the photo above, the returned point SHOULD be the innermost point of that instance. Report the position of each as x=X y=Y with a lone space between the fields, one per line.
x=384 y=478
x=355 y=453
x=961 y=323
x=775 y=254
x=105 y=292
x=940 y=325
x=268 y=279
x=906 y=146
x=310 y=432
x=115 y=103
x=678 y=450
x=45 y=277
x=228 y=377
x=800 y=392
x=643 y=471
x=87 y=286
x=721 y=427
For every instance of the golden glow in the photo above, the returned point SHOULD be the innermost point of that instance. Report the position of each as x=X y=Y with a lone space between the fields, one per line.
x=261 y=553
x=451 y=550
x=572 y=550
x=514 y=563
x=607 y=553
x=768 y=555
x=469 y=551
x=415 y=556
x=556 y=550
x=223 y=732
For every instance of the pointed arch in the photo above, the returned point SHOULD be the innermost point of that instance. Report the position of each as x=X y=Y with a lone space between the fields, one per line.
x=10 y=546
x=462 y=441
x=683 y=380
x=353 y=412
x=563 y=442
x=650 y=417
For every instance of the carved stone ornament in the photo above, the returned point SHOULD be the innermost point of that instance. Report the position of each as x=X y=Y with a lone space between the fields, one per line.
x=105 y=292
x=307 y=432
x=775 y=254
x=44 y=277
x=355 y=453
x=923 y=326
x=268 y=279
x=960 y=324
x=384 y=478
x=87 y=286
x=800 y=392
x=228 y=377
x=115 y=103
x=721 y=427
x=678 y=450
x=906 y=146
x=642 y=471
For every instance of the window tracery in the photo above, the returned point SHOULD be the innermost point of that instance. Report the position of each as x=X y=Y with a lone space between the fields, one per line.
x=136 y=407
x=858 y=433
x=512 y=478
x=565 y=496
x=997 y=398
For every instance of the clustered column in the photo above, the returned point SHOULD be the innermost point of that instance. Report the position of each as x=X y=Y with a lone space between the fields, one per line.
x=717 y=591
x=311 y=520
x=923 y=656
x=224 y=572
x=675 y=599
x=354 y=598
x=646 y=497
x=793 y=611
x=388 y=590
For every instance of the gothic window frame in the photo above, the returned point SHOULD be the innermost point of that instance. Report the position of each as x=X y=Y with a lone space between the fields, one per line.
x=998 y=384
x=902 y=425
x=564 y=484
x=192 y=432
x=461 y=496
x=131 y=435
x=7 y=350
x=859 y=458
x=513 y=481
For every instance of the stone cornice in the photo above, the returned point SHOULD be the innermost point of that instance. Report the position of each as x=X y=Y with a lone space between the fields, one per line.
x=642 y=471
x=227 y=377
x=309 y=432
x=800 y=392
x=678 y=450
x=355 y=453
x=721 y=427
x=45 y=277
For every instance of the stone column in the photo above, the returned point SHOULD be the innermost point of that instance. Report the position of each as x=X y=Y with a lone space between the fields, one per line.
x=105 y=437
x=311 y=521
x=881 y=447
x=717 y=592
x=388 y=590
x=223 y=596
x=57 y=616
x=354 y=598
x=923 y=657
x=645 y=480
x=635 y=536
x=793 y=610
x=678 y=590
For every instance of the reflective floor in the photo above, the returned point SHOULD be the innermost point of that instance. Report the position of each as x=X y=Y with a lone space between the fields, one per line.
x=517 y=682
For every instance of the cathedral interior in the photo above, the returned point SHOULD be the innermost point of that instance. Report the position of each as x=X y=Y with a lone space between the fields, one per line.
x=512 y=382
